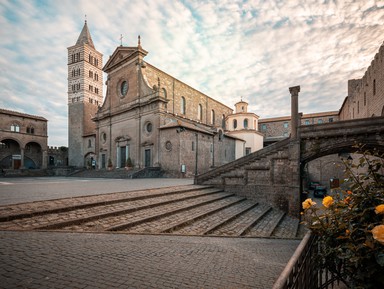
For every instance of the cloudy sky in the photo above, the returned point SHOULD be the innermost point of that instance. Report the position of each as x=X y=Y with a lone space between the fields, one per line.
x=227 y=49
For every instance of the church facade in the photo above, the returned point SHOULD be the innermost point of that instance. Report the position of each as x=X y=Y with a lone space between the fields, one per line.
x=148 y=118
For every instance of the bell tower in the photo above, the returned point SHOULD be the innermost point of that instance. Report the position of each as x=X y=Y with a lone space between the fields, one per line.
x=85 y=95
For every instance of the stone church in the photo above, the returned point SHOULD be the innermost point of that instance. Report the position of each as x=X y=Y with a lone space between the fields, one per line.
x=147 y=116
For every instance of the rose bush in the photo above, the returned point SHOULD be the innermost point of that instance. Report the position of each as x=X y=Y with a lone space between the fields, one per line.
x=350 y=225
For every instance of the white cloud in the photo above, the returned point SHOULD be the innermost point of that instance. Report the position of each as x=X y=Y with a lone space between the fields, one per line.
x=226 y=49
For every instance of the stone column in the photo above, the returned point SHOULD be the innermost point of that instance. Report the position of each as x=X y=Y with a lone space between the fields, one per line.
x=45 y=159
x=22 y=153
x=294 y=91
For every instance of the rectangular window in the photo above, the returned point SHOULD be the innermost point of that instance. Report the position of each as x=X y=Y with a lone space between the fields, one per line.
x=306 y=122
x=193 y=146
x=286 y=124
x=330 y=119
x=319 y=121
x=247 y=151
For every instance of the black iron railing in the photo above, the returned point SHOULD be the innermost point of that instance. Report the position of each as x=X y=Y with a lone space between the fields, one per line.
x=301 y=271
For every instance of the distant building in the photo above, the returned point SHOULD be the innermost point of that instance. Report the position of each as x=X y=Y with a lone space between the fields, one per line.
x=23 y=140
x=366 y=95
x=57 y=156
x=279 y=128
x=244 y=125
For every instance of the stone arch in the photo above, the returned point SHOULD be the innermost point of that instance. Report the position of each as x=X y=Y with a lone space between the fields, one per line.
x=33 y=155
x=321 y=149
x=10 y=154
x=88 y=158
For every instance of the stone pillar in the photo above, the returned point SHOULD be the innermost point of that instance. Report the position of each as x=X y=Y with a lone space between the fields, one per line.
x=22 y=153
x=45 y=159
x=294 y=91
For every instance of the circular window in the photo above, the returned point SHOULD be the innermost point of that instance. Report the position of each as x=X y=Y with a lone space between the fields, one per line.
x=168 y=145
x=124 y=88
x=148 y=127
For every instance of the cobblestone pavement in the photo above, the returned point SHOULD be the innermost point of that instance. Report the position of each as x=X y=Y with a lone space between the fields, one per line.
x=83 y=260
x=128 y=259
x=18 y=190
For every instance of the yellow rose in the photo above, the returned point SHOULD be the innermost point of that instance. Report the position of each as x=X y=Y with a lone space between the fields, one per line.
x=327 y=201
x=378 y=233
x=379 y=209
x=308 y=203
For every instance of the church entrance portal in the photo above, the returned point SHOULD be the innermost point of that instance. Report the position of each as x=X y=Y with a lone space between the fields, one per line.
x=147 y=158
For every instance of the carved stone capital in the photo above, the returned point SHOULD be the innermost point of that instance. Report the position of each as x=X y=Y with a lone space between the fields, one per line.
x=294 y=90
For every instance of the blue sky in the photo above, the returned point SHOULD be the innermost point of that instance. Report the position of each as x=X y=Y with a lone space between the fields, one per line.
x=227 y=49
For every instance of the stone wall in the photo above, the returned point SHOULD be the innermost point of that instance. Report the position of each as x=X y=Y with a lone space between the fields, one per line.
x=270 y=175
x=366 y=95
x=174 y=90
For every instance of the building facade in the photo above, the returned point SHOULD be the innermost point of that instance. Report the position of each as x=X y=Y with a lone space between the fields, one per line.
x=244 y=125
x=147 y=116
x=23 y=140
x=366 y=95
x=278 y=128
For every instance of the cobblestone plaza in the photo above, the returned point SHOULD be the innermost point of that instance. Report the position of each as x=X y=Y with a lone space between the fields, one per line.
x=64 y=259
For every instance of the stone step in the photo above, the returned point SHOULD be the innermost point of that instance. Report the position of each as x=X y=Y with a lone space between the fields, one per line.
x=287 y=228
x=87 y=215
x=267 y=224
x=172 y=223
x=240 y=225
x=27 y=210
x=124 y=221
x=185 y=210
x=211 y=223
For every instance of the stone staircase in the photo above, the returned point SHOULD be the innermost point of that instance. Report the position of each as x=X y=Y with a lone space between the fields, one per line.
x=183 y=210
x=270 y=175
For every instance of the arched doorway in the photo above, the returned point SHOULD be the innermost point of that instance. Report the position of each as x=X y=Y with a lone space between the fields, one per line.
x=10 y=154
x=89 y=159
x=33 y=156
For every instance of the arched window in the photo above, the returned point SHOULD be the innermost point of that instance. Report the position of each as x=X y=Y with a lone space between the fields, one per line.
x=212 y=116
x=223 y=121
x=220 y=135
x=183 y=105
x=89 y=143
x=30 y=130
x=235 y=123
x=15 y=127
x=246 y=123
x=200 y=112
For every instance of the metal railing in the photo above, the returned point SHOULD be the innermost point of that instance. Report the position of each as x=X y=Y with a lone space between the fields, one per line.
x=301 y=271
